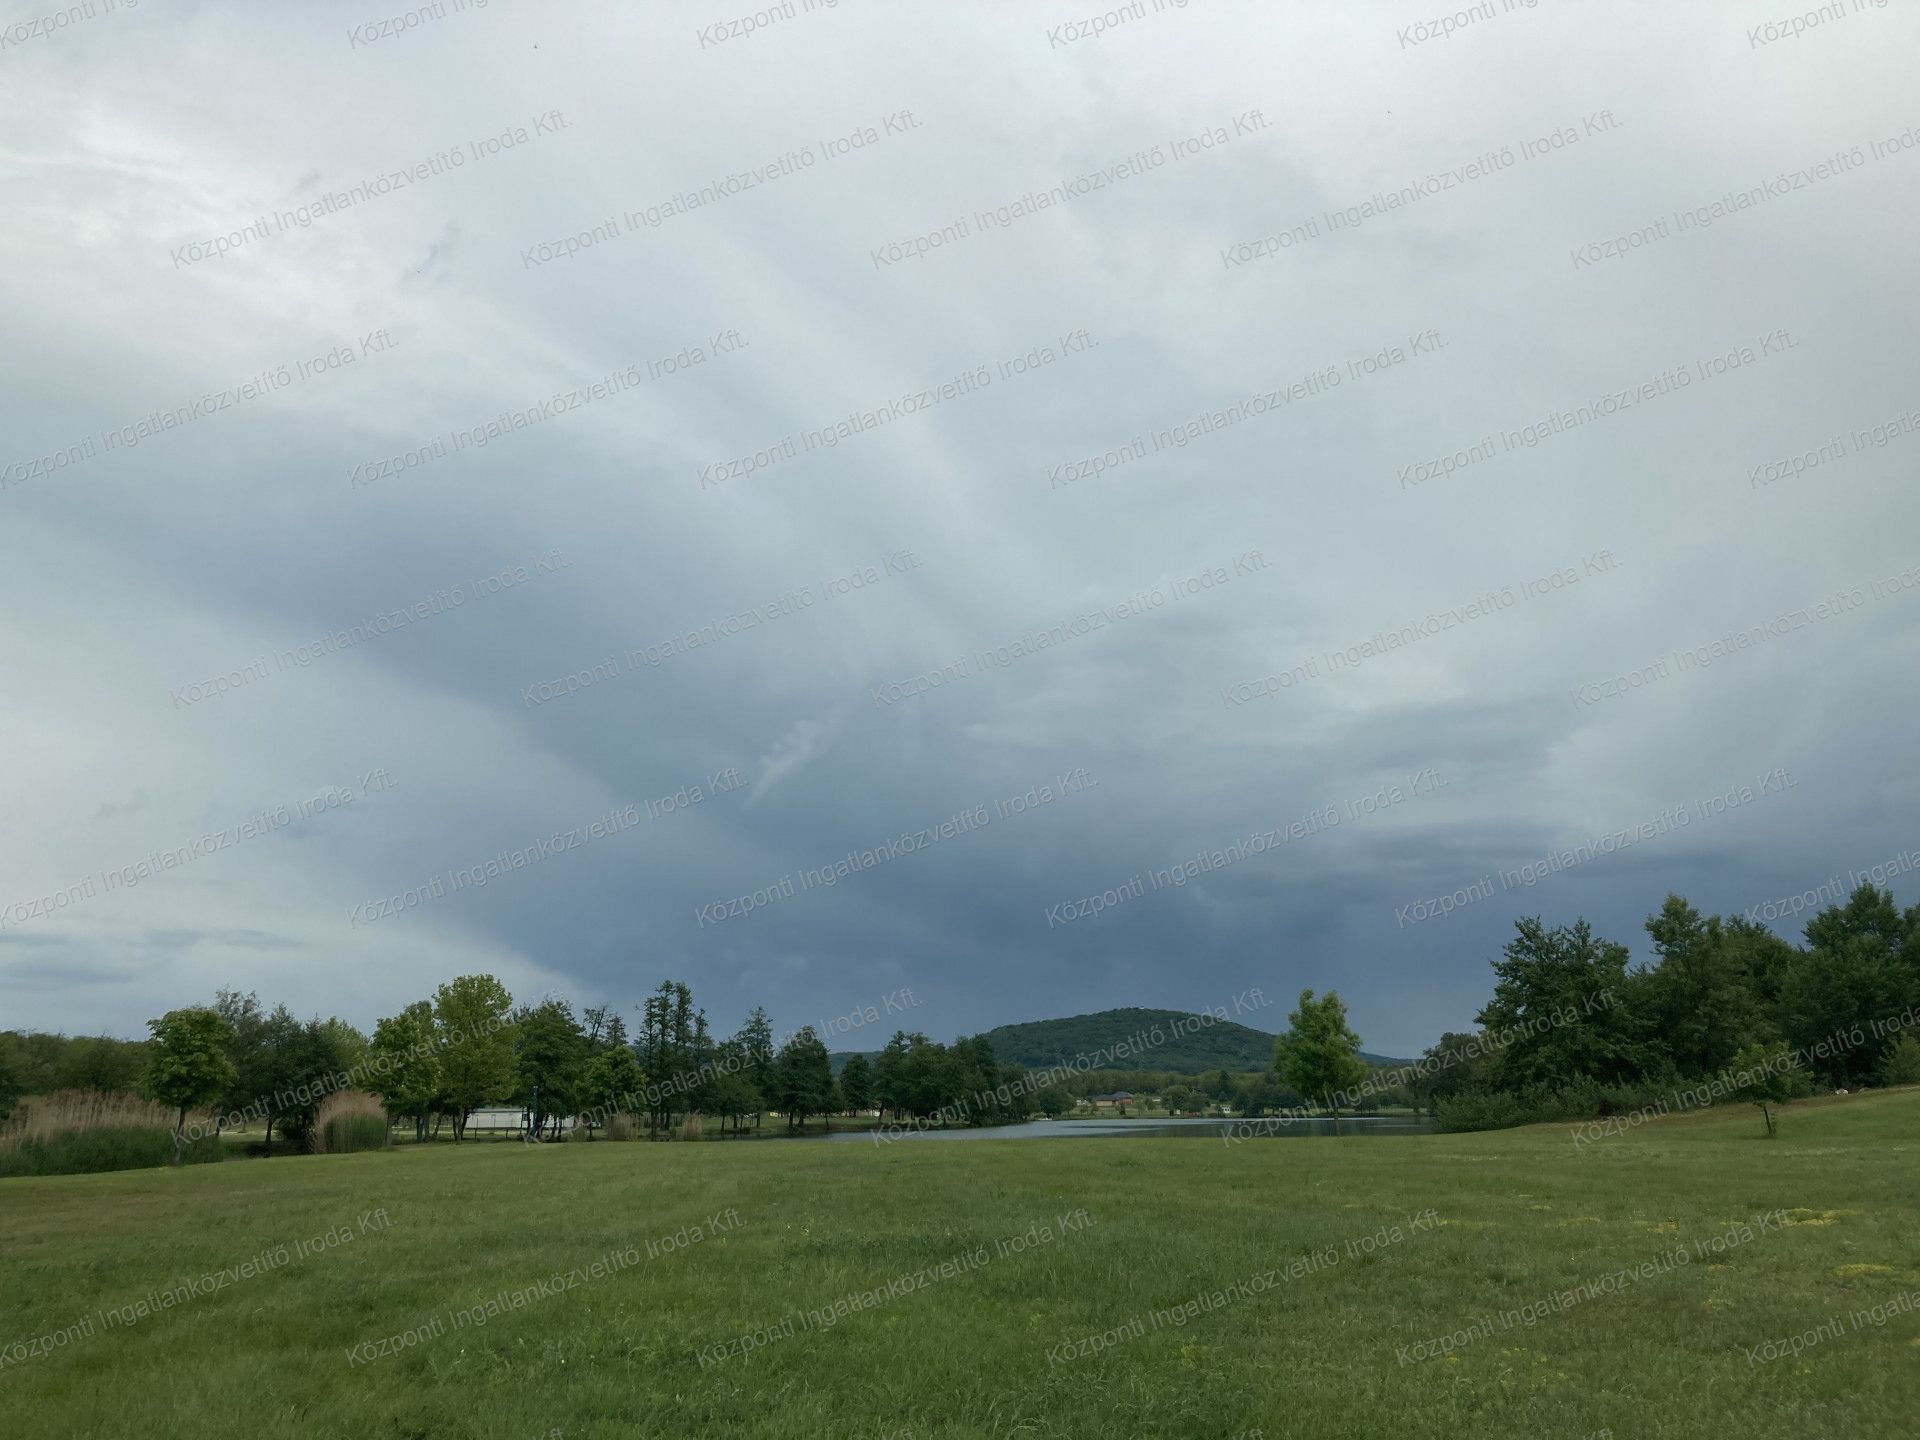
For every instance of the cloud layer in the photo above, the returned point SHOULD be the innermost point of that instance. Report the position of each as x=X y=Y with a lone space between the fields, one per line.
x=949 y=468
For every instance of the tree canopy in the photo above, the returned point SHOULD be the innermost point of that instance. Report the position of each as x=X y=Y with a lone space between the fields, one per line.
x=187 y=1064
x=1319 y=1053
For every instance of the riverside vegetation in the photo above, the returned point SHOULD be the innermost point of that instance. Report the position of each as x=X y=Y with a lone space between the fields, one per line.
x=1727 y=1010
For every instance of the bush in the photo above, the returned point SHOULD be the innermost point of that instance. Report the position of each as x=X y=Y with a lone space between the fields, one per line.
x=1901 y=1065
x=81 y=1132
x=1480 y=1110
x=349 y=1120
x=620 y=1127
x=1582 y=1099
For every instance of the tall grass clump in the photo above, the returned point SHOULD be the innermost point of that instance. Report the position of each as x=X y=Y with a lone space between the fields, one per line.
x=349 y=1120
x=81 y=1132
x=620 y=1127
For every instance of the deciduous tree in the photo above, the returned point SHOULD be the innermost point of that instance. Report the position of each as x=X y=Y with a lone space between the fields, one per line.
x=550 y=1054
x=1768 y=1075
x=404 y=1064
x=856 y=1083
x=1559 y=1006
x=473 y=1015
x=756 y=1041
x=803 y=1078
x=1318 y=1054
x=1698 y=1000
x=612 y=1085
x=187 y=1064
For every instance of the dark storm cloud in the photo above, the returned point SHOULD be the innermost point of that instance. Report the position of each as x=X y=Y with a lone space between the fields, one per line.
x=756 y=456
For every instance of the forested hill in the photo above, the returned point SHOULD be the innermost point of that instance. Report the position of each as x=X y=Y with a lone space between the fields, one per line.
x=1205 y=1043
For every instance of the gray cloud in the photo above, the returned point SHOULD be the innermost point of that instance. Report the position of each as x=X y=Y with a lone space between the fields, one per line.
x=1305 y=403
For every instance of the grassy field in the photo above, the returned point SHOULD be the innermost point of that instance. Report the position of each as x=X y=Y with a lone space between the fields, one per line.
x=1093 y=1287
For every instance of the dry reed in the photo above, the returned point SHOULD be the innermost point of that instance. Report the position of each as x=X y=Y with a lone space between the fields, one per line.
x=64 y=1112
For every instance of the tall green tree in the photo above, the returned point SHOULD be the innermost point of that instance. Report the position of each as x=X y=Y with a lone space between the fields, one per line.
x=756 y=1042
x=803 y=1078
x=1846 y=982
x=291 y=1067
x=404 y=1065
x=1762 y=957
x=311 y=1060
x=675 y=1050
x=1698 y=999
x=550 y=1051
x=1456 y=1062
x=931 y=1079
x=253 y=1080
x=1869 y=914
x=1560 y=1007
x=1319 y=1053
x=856 y=1083
x=276 y=1068
x=975 y=1076
x=347 y=1045
x=732 y=1095
x=187 y=1064
x=611 y=1084
x=890 y=1074
x=733 y=1098
x=473 y=1015
x=604 y=1028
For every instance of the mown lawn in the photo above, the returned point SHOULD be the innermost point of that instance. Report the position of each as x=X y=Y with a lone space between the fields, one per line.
x=1311 y=1350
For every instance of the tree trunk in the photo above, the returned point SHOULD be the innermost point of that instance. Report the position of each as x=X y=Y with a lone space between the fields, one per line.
x=1767 y=1114
x=1335 y=1108
x=180 y=1135
x=269 y=1134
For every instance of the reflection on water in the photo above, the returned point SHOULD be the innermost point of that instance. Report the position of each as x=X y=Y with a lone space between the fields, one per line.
x=1167 y=1129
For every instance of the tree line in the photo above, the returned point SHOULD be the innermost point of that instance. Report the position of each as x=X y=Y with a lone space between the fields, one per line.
x=470 y=1047
x=1726 y=1009
x=1572 y=1030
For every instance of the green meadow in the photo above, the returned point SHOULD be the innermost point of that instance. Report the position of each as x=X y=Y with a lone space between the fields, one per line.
x=1442 y=1286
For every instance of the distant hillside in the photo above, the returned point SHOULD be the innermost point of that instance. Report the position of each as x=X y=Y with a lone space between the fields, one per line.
x=1205 y=1044
x=1208 y=1043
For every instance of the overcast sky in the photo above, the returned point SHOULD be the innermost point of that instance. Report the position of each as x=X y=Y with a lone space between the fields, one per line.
x=1307 y=279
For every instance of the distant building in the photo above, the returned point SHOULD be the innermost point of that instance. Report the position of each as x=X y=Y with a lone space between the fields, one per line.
x=1117 y=1098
